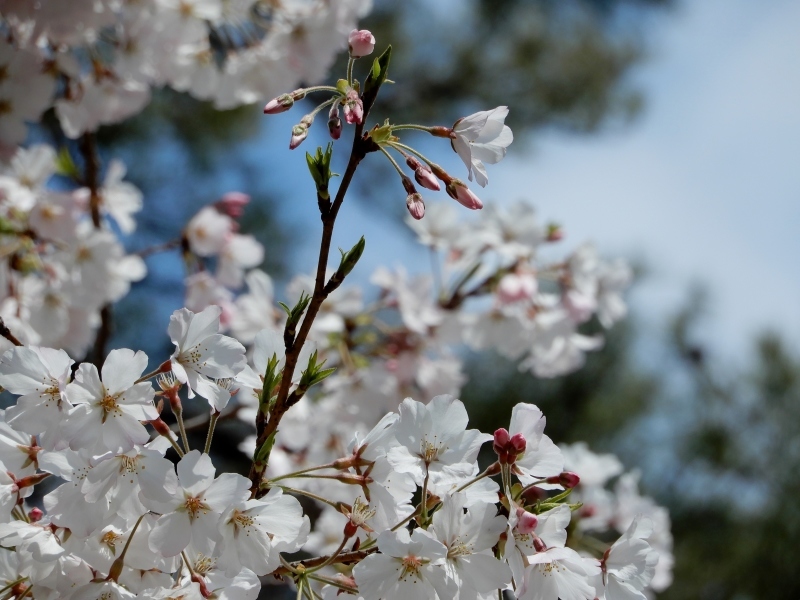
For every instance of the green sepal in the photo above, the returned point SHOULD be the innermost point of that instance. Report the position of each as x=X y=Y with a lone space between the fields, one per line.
x=342 y=86
x=382 y=134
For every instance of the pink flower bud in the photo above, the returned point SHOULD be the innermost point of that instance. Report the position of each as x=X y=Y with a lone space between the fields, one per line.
x=35 y=515
x=526 y=522
x=518 y=443
x=501 y=439
x=569 y=480
x=425 y=178
x=300 y=132
x=515 y=288
x=353 y=108
x=334 y=122
x=538 y=544
x=415 y=205
x=232 y=204
x=361 y=43
x=278 y=105
x=460 y=192
x=554 y=232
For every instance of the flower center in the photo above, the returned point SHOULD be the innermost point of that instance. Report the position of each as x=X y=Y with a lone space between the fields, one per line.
x=361 y=512
x=110 y=538
x=194 y=506
x=204 y=564
x=430 y=451
x=411 y=567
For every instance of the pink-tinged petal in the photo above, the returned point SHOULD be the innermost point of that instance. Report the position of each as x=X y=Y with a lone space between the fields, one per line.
x=122 y=368
x=195 y=472
x=171 y=534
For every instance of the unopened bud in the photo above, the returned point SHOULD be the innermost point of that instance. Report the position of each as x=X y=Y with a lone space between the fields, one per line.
x=299 y=133
x=526 y=522
x=568 y=479
x=425 y=178
x=461 y=193
x=232 y=204
x=278 y=105
x=334 y=122
x=361 y=43
x=518 y=443
x=538 y=544
x=501 y=439
x=353 y=108
x=415 y=206
x=554 y=232
x=35 y=515
x=515 y=287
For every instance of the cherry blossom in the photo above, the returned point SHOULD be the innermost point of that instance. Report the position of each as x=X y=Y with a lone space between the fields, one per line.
x=482 y=137
x=202 y=353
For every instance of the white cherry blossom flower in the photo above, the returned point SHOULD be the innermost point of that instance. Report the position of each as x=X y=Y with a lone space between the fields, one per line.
x=196 y=506
x=108 y=413
x=628 y=566
x=469 y=537
x=482 y=137
x=434 y=440
x=39 y=376
x=407 y=567
x=202 y=354
x=256 y=531
x=541 y=457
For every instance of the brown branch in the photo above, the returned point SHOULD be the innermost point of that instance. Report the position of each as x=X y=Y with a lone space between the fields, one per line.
x=165 y=247
x=91 y=179
x=6 y=333
x=346 y=558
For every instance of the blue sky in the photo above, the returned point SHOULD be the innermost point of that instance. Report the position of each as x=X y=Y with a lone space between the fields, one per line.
x=704 y=186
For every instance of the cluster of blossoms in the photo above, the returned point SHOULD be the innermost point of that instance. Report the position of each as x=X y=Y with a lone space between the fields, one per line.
x=127 y=509
x=96 y=61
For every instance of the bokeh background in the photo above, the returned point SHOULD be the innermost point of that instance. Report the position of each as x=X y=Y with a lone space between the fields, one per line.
x=667 y=132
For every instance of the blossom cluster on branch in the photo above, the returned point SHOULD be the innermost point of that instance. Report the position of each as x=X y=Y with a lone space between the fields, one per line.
x=128 y=509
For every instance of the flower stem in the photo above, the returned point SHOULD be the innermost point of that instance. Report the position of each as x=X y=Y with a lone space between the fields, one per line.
x=350 y=62
x=116 y=567
x=333 y=582
x=12 y=584
x=412 y=126
x=392 y=160
x=292 y=490
x=301 y=472
x=331 y=558
x=212 y=423
x=425 y=497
